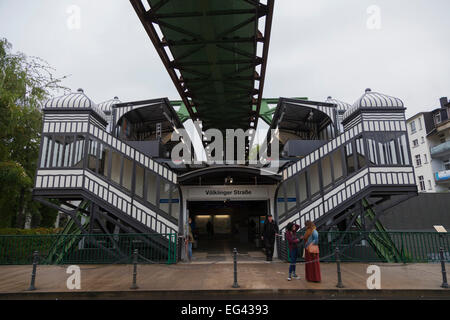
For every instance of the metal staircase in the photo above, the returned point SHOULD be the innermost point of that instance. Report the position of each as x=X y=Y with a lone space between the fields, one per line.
x=103 y=203
x=358 y=198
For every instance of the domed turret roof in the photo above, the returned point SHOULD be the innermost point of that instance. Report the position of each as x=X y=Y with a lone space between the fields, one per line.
x=372 y=99
x=106 y=106
x=74 y=100
x=341 y=105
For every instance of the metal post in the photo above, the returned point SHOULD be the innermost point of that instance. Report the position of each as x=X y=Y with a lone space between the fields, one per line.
x=444 y=273
x=135 y=260
x=338 y=263
x=33 y=273
x=235 y=284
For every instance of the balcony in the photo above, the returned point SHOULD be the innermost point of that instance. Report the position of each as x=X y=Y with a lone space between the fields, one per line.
x=441 y=149
x=442 y=176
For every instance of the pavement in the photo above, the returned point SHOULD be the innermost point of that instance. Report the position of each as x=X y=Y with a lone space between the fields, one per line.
x=209 y=279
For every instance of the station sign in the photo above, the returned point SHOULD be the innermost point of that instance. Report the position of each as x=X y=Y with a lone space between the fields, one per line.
x=227 y=193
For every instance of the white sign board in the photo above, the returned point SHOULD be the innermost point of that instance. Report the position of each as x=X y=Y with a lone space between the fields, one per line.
x=226 y=192
x=440 y=229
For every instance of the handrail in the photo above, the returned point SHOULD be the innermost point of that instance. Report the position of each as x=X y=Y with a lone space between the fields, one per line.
x=99 y=187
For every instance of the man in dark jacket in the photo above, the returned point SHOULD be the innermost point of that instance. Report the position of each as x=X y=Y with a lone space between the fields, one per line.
x=269 y=232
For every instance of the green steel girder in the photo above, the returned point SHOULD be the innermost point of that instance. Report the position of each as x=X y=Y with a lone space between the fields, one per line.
x=209 y=49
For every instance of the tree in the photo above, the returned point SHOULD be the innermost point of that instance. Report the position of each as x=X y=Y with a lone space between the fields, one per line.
x=25 y=82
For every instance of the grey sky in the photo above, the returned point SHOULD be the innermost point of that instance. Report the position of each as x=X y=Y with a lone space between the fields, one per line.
x=318 y=48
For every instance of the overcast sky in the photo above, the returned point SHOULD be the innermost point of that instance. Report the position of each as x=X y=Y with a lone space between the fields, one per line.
x=317 y=48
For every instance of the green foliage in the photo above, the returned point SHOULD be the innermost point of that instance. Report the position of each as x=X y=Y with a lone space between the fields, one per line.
x=25 y=82
x=35 y=231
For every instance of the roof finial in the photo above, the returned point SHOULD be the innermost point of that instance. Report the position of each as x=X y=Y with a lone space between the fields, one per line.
x=329 y=97
x=368 y=90
x=80 y=90
x=116 y=97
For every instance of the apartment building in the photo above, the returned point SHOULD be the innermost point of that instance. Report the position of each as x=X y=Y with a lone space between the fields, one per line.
x=429 y=138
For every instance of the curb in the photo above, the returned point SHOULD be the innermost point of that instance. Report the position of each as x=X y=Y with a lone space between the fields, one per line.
x=241 y=294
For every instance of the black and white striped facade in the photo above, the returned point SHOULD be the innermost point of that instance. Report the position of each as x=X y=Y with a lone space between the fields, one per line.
x=341 y=108
x=107 y=108
x=374 y=107
x=66 y=112
x=76 y=129
x=370 y=156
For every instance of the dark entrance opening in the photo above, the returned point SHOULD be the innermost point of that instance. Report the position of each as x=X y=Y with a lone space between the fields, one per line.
x=220 y=226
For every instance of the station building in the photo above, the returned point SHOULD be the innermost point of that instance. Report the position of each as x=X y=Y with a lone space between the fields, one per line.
x=108 y=166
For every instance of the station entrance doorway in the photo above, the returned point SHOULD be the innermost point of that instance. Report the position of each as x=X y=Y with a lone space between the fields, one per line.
x=220 y=226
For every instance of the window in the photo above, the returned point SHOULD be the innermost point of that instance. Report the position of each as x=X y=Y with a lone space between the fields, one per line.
x=425 y=158
x=68 y=151
x=402 y=146
x=175 y=202
x=326 y=171
x=116 y=166
x=313 y=177
x=62 y=151
x=420 y=123
x=447 y=165
x=291 y=197
x=337 y=164
x=281 y=207
x=127 y=173
x=79 y=152
x=415 y=143
x=46 y=152
x=423 y=140
x=164 y=195
x=437 y=118
x=105 y=155
x=58 y=151
x=151 y=187
x=349 y=158
x=372 y=146
x=302 y=190
x=430 y=187
x=139 y=184
x=92 y=155
x=360 y=152
x=413 y=126
x=442 y=139
x=418 y=160
x=387 y=152
x=421 y=183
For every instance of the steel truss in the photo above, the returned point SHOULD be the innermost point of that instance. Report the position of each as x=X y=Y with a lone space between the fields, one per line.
x=194 y=85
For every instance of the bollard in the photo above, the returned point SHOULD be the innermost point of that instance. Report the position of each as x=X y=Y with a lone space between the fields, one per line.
x=135 y=260
x=33 y=273
x=444 y=273
x=338 y=263
x=235 y=284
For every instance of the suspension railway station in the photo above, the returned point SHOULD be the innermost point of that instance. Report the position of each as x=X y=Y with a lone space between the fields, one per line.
x=108 y=166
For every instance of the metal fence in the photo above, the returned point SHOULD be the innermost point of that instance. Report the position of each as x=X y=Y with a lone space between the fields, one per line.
x=88 y=248
x=361 y=246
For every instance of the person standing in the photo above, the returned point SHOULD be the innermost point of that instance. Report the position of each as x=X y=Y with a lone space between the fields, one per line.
x=209 y=229
x=312 y=264
x=189 y=240
x=270 y=230
x=293 y=240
